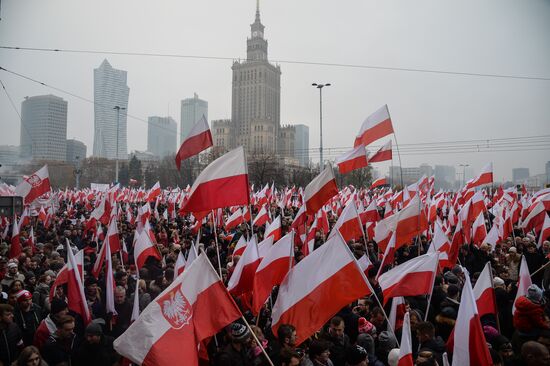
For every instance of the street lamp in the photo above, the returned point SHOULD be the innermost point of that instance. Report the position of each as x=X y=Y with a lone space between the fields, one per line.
x=464 y=172
x=320 y=87
x=118 y=109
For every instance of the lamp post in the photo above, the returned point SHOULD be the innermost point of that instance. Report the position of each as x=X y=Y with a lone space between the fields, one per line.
x=320 y=87
x=464 y=172
x=118 y=109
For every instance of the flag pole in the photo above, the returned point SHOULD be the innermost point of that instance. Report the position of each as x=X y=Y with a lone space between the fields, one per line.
x=216 y=240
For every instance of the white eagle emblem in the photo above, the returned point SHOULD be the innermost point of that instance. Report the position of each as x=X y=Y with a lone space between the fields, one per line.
x=176 y=309
x=34 y=180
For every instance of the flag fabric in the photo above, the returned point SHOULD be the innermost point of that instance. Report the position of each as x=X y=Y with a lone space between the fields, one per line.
x=193 y=308
x=383 y=154
x=223 y=183
x=354 y=159
x=523 y=283
x=321 y=189
x=198 y=139
x=242 y=279
x=405 y=349
x=376 y=126
x=412 y=278
x=378 y=182
x=144 y=248
x=272 y=270
x=470 y=347
x=34 y=186
x=318 y=287
x=484 y=293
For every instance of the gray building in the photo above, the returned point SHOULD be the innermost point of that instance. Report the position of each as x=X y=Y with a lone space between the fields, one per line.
x=76 y=151
x=44 y=128
x=519 y=175
x=162 y=136
x=192 y=110
x=256 y=96
x=301 y=144
x=110 y=91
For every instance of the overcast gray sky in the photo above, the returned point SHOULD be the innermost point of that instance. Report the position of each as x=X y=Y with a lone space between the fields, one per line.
x=507 y=37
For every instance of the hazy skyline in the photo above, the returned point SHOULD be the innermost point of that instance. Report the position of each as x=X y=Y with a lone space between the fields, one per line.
x=492 y=37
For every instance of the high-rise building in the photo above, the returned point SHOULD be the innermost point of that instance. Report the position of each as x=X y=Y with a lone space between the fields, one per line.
x=111 y=104
x=519 y=175
x=301 y=144
x=44 y=128
x=162 y=136
x=192 y=110
x=76 y=151
x=256 y=96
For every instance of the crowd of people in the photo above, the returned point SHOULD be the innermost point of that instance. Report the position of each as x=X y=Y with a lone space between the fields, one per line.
x=39 y=329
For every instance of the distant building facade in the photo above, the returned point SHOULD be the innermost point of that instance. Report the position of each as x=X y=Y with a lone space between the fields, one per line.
x=44 y=128
x=110 y=91
x=76 y=151
x=192 y=110
x=520 y=175
x=301 y=144
x=162 y=136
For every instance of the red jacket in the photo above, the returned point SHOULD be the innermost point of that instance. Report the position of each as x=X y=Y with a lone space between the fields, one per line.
x=529 y=316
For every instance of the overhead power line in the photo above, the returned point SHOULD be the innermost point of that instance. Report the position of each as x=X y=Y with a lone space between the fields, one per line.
x=281 y=61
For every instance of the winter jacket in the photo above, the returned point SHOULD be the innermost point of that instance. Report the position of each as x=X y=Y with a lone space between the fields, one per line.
x=529 y=316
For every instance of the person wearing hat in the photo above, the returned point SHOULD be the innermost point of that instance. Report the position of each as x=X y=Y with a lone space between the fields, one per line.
x=529 y=318
x=97 y=348
x=47 y=326
x=12 y=275
x=236 y=353
x=27 y=316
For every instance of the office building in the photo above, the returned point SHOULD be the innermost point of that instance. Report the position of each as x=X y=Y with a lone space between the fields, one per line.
x=111 y=105
x=44 y=128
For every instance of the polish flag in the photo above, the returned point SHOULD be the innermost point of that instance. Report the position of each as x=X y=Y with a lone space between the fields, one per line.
x=484 y=177
x=318 y=287
x=405 y=349
x=523 y=283
x=240 y=246
x=412 y=278
x=365 y=264
x=262 y=217
x=348 y=224
x=199 y=139
x=470 y=347
x=144 y=248
x=242 y=279
x=479 y=231
x=545 y=231
x=272 y=270
x=397 y=313
x=352 y=160
x=15 y=246
x=321 y=189
x=383 y=154
x=34 y=186
x=274 y=229
x=112 y=234
x=411 y=221
x=484 y=293
x=76 y=299
x=192 y=309
x=376 y=126
x=223 y=183
x=234 y=220
x=378 y=182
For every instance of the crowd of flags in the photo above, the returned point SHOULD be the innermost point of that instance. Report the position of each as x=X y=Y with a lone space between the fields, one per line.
x=197 y=304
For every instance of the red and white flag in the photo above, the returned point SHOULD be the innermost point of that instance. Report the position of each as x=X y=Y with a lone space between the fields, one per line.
x=223 y=183
x=199 y=139
x=383 y=154
x=144 y=248
x=378 y=182
x=321 y=189
x=470 y=347
x=234 y=220
x=193 y=308
x=242 y=279
x=523 y=283
x=412 y=278
x=318 y=287
x=34 y=186
x=484 y=177
x=274 y=229
x=352 y=160
x=484 y=292
x=405 y=349
x=376 y=126
x=272 y=270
